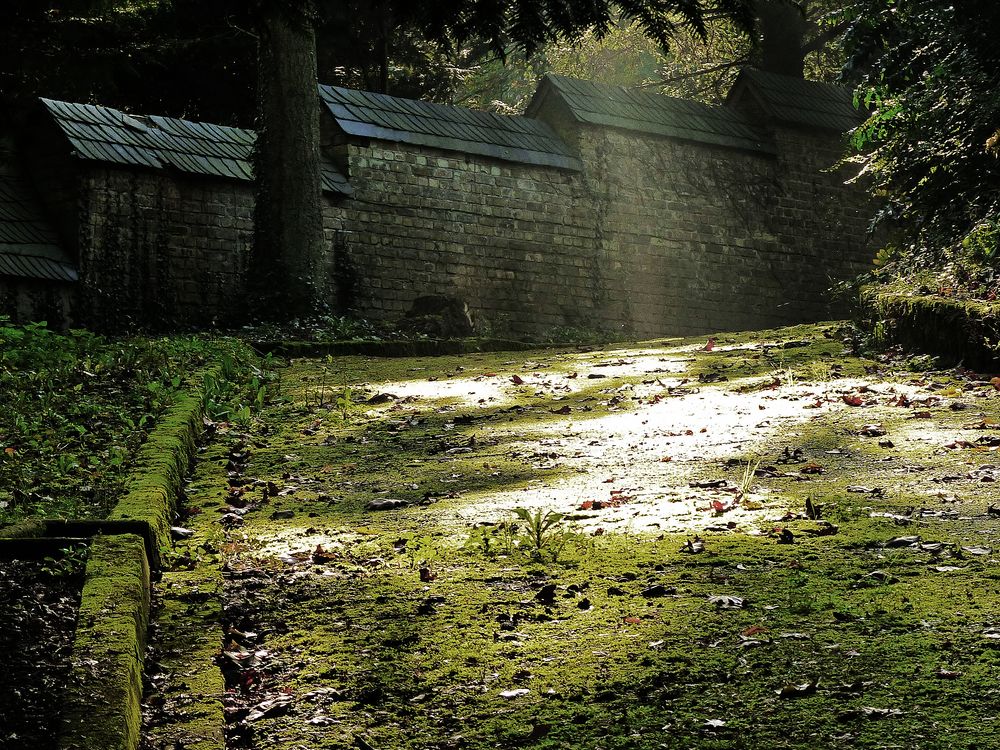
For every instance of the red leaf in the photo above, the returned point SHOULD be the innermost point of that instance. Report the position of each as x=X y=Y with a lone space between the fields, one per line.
x=709 y=346
x=632 y=620
x=853 y=400
x=516 y=380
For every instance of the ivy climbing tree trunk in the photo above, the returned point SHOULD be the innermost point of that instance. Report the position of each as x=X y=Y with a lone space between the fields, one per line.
x=286 y=265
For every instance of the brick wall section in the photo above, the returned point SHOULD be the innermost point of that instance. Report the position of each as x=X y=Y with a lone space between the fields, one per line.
x=655 y=237
x=167 y=251
x=515 y=241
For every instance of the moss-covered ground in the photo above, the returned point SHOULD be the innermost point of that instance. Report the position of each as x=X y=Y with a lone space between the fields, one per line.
x=766 y=542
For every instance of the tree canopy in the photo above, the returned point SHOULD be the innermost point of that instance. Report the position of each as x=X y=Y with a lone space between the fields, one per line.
x=931 y=73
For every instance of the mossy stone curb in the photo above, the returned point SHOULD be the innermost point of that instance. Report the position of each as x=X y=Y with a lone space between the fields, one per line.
x=153 y=487
x=103 y=702
x=966 y=331
x=105 y=688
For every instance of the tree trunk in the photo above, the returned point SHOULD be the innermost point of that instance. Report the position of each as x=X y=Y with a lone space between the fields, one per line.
x=782 y=28
x=286 y=266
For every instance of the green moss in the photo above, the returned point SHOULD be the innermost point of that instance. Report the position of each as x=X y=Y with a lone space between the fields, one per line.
x=103 y=705
x=953 y=329
x=421 y=659
x=164 y=459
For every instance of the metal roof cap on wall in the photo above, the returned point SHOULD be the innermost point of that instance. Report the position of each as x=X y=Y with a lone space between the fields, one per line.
x=644 y=112
x=28 y=246
x=795 y=101
x=389 y=118
x=107 y=135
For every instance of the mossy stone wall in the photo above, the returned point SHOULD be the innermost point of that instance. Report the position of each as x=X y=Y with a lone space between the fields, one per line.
x=654 y=236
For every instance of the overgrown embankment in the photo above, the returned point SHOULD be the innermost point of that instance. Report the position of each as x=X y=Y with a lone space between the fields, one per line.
x=956 y=329
x=77 y=406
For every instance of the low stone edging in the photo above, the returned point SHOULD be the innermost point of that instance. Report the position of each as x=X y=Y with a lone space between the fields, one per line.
x=103 y=706
x=407 y=348
x=964 y=331
x=105 y=692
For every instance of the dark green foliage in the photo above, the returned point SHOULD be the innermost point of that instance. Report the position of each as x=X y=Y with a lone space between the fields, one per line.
x=76 y=406
x=931 y=72
x=529 y=24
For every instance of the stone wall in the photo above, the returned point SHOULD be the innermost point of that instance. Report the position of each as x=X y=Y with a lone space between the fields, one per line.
x=515 y=241
x=165 y=251
x=654 y=237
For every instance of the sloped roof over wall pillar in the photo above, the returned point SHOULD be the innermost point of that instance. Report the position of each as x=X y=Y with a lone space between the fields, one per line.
x=605 y=105
x=103 y=134
x=794 y=101
x=517 y=139
x=29 y=248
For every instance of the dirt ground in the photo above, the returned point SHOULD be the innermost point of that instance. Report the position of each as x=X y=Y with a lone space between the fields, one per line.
x=751 y=541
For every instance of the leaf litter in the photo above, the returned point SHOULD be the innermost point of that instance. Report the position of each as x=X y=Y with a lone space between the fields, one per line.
x=500 y=639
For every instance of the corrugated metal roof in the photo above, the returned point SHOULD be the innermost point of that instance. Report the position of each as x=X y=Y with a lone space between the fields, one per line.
x=641 y=111
x=390 y=118
x=28 y=246
x=798 y=102
x=107 y=135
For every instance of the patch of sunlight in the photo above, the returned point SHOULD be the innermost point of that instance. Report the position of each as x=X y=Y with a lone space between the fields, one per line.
x=292 y=544
x=640 y=463
x=517 y=381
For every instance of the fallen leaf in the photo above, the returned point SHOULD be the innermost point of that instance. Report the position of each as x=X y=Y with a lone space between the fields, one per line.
x=709 y=346
x=693 y=547
x=725 y=601
x=516 y=380
x=270 y=707
x=852 y=400
x=903 y=541
x=880 y=713
x=797 y=691
x=978 y=551
x=872 y=430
